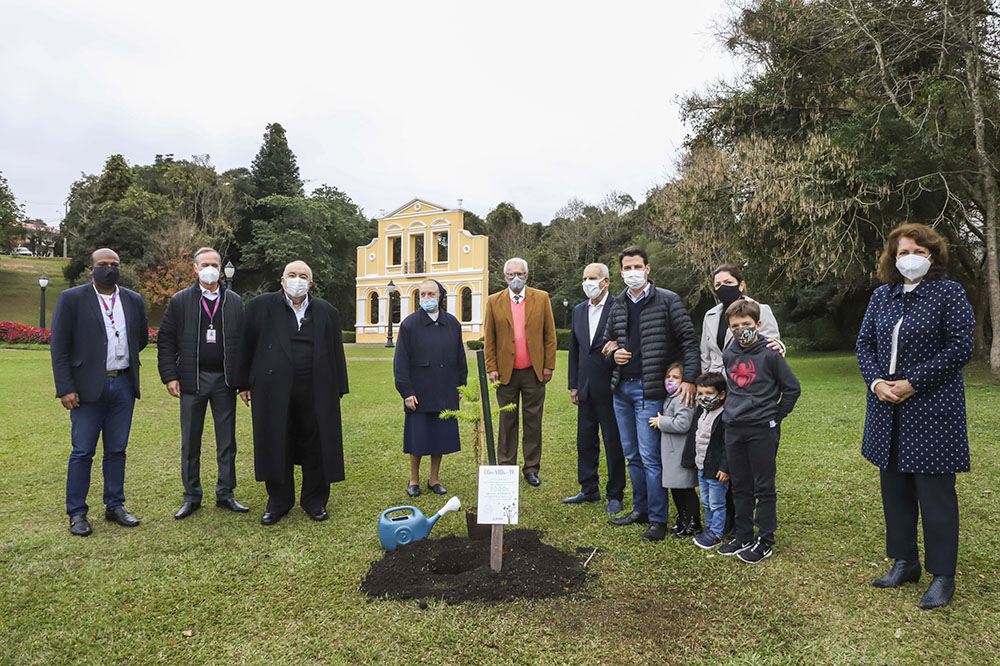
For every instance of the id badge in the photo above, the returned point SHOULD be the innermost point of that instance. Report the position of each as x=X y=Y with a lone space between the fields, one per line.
x=210 y=335
x=120 y=350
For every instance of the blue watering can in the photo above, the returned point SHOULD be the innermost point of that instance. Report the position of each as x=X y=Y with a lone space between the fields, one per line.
x=412 y=526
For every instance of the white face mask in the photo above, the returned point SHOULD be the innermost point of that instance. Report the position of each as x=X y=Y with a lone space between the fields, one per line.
x=592 y=288
x=634 y=279
x=296 y=287
x=913 y=266
x=209 y=275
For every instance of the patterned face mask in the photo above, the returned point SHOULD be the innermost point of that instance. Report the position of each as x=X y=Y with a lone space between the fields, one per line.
x=709 y=402
x=671 y=387
x=745 y=335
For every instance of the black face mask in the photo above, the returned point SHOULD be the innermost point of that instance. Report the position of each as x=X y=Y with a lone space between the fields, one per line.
x=728 y=293
x=106 y=276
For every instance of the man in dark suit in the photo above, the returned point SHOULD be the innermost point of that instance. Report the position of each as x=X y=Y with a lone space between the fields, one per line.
x=292 y=364
x=98 y=330
x=590 y=391
x=196 y=352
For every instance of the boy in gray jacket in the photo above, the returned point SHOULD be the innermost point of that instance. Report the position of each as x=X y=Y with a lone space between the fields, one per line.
x=761 y=391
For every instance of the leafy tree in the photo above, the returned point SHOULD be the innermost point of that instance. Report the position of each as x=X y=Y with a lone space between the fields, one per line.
x=11 y=214
x=851 y=118
x=323 y=230
x=115 y=180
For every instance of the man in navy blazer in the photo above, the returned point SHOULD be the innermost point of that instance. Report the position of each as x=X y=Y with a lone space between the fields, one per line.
x=98 y=330
x=590 y=391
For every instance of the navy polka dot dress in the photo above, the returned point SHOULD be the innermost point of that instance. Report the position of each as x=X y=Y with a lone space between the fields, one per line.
x=935 y=342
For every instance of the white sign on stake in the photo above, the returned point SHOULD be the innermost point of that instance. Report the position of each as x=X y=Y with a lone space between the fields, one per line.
x=498 y=487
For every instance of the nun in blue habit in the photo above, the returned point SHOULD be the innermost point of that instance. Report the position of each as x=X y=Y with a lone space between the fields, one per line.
x=428 y=367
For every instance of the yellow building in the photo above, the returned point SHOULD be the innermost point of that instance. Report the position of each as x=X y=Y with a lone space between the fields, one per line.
x=416 y=242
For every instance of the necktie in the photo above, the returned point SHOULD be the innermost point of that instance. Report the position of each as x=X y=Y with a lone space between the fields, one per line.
x=517 y=299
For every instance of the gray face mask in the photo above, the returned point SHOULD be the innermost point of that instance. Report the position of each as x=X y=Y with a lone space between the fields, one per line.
x=516 y=283
x=709 y=402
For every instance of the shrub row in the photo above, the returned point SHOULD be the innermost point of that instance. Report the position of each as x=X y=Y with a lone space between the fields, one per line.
x=12 y=332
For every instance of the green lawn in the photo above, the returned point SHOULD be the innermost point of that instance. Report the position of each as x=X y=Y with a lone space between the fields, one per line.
x=20 y=295
x=289 y=594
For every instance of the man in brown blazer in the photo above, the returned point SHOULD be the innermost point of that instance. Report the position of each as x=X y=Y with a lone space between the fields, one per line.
x=520 y=350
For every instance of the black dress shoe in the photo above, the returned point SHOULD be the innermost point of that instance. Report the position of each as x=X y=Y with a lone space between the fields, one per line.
x=901 y=572
x=413 y=490
x=187 y=509
x=318 y=516
x=939 y=593
x=271 y=517
x=121 y=516
x=656 y=532
x=582 y=497
x=231 y=504
x=634 y=517
x=79 y=525
x=437 y=488
x=532 y=479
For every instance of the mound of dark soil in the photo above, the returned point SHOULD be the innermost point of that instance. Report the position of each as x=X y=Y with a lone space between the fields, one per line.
x=457 y=569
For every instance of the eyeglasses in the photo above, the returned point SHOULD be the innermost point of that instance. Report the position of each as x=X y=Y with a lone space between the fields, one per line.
x=520 y=275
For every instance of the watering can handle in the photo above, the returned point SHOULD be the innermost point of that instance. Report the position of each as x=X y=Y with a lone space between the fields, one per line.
x=412 y=509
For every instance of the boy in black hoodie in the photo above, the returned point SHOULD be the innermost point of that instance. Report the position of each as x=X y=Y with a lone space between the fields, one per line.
x=762 y=391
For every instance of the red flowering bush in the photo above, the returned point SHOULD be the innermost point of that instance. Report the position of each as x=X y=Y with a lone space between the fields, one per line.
x=13 y=333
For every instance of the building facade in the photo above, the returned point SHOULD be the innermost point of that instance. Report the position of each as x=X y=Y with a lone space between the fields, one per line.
x=418 y=241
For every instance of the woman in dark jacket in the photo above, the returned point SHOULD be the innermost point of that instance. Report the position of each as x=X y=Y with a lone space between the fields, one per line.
x=429 y=366
x=914 y=340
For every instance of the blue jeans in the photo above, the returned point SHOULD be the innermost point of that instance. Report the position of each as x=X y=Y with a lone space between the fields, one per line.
x=110 y=417
x=641 y=446
x=713 y=498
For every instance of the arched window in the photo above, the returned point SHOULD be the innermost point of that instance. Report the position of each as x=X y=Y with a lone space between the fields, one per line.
x=373 y=308
x=394 y=306
x=466 y=303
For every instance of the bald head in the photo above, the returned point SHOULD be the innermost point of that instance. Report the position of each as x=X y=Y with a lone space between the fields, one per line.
x=298 y=269
x=104 y=257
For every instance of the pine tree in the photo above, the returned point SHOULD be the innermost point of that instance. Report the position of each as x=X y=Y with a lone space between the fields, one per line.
x=274 y=170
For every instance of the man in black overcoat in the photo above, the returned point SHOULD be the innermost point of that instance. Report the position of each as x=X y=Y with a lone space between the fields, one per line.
x=293 y=371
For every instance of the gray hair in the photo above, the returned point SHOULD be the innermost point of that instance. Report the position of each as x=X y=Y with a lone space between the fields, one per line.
x=515 y=259
x=605 y=273
x=299 y=261
x=203 y=250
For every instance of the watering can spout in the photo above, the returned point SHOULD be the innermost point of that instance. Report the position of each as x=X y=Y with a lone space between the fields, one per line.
x=454 y=504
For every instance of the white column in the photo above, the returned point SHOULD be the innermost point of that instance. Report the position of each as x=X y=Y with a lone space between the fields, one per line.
x=476 y=304
x=453 y=303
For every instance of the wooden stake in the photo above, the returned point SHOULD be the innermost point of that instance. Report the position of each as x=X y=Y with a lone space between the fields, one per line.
x=496 y=548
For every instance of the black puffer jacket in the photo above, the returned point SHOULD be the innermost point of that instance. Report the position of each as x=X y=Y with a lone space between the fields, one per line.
x=177 y=343
x=667 y=336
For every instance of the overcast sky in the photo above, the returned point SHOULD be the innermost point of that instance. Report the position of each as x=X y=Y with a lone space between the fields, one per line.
x=528 y=102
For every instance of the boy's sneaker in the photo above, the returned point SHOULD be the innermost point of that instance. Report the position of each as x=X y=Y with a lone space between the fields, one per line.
x=706 y=540
x=734 y=546
x=759 y=551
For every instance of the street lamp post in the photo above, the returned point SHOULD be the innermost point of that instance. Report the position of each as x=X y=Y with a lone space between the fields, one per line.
x=390 y=289
x=565 y=312
x=230 y=271
x=43 y=282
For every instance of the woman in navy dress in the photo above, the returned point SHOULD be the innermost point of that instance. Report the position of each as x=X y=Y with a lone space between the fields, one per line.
x=915 y=338
x=429 y=366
